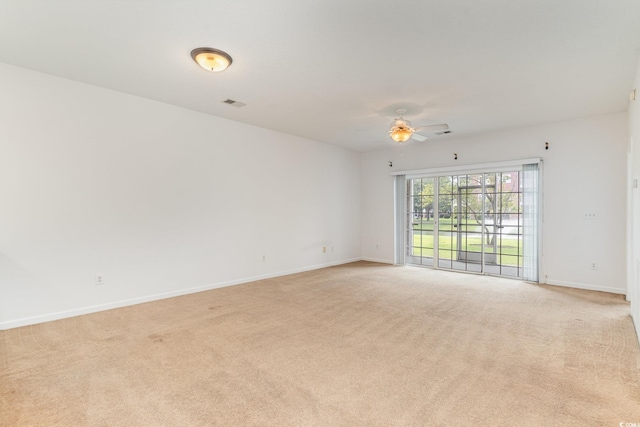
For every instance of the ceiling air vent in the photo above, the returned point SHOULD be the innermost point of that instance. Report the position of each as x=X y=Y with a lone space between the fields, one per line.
x=234 y=103
x=443 y=132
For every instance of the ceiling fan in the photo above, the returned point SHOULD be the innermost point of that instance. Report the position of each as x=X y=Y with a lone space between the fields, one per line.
x=401 y=129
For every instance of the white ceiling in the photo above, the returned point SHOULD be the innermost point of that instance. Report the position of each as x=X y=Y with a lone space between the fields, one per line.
x=335 y=71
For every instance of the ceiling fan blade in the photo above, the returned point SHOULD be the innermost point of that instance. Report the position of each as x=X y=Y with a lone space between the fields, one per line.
x=418 y=137
x=434 y=128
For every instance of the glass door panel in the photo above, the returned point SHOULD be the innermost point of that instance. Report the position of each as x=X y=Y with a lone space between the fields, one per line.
x=447 y=217
x=508 y=226
x=471 y=222
x=469 y=193
x=420 y=221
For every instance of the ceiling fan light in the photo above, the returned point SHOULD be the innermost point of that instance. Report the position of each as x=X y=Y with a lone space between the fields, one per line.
x=211 y=59
x=400 y=133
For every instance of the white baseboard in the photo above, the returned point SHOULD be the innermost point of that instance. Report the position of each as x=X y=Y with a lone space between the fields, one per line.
x=10 y=324
x=585 y=286
x=380 y=260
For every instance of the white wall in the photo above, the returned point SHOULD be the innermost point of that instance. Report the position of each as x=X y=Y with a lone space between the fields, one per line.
x=584 y=171
x=633 y=222
x=159 y=200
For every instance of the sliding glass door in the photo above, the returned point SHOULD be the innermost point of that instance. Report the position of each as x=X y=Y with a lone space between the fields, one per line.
x=481 y=222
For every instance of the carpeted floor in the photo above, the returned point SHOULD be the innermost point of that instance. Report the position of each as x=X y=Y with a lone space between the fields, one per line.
x=361 y=344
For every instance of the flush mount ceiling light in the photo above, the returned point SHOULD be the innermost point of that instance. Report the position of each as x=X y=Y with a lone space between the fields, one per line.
x=211 y=59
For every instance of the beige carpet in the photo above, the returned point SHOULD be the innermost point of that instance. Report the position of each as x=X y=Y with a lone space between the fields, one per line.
x=362 y=344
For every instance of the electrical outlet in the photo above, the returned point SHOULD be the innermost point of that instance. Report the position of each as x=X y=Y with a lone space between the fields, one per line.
x=593 y=266
x=590 y=215
x=324 y=249
x=264 y=258
x=99 y=280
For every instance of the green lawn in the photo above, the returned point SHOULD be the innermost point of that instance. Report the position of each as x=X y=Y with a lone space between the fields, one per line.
x=447 y=224
x=507 y=250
